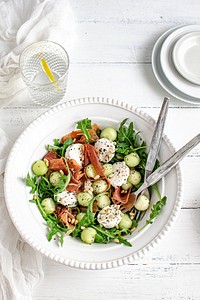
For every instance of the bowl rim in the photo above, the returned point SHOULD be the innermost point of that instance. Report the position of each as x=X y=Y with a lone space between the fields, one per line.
x=81 y=264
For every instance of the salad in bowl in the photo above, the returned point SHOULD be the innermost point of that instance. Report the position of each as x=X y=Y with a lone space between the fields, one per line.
x=81 y=183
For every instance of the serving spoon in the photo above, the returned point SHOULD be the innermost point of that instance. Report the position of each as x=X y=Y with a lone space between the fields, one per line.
x=159 y=173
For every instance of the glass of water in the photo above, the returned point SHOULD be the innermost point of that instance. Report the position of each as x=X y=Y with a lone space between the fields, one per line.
x=44 y=66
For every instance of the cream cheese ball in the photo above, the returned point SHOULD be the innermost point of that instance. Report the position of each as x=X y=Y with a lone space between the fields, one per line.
x=105 y=149
x=66 y=198
x=75 y=152
x=120 y=174
x=109 y=216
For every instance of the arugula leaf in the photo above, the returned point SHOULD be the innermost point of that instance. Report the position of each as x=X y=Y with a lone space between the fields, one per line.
x=156 y=209
x=134 y=223
x=31 y=182
x=47 y=190
x=42 y=188
x=55 y=226
x=104 y=231
x=84 y=125
x=65 y=145
x=58 y=147
x=106 y=235
x=126 y=134
x=63 y=183
x=32 y=201
x=90 y=214
x=87 y=220
x=124 y=241
x=100 y=239
x=103 y=235
x=127 y=141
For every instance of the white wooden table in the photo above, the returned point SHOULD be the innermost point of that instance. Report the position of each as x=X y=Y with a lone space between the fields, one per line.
x=112 y=58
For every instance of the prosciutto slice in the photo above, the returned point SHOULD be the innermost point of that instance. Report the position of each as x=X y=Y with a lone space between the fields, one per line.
x=92 y=155
x=75 y=169
x=74 y=185
x=63 y=215
x=73 y=135
x=58 y=164
x=93 y=135
x=78 y=135
x=118 y=197
x=50 y=155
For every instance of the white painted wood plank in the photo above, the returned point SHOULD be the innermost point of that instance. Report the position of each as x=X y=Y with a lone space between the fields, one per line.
x=133 y=282
x=134 y=84
x=125 y=31
x=116 y=43
x=116 y=11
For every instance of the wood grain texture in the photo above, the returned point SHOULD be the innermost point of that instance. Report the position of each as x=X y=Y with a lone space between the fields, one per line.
x=112 y=58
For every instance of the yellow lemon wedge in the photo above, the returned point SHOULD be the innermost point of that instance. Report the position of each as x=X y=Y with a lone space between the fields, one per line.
x=48 y=72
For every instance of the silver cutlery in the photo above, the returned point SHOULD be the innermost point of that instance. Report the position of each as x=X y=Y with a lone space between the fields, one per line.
x=154 y=148
x=159 y=173
x=156 y=139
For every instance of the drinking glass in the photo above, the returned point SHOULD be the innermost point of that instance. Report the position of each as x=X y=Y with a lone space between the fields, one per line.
x=41 y=87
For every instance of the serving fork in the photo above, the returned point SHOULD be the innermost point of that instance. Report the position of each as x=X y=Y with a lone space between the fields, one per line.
x=159 y=173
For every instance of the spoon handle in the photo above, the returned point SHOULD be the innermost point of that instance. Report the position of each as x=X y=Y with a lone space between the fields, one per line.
x=171 y=162
x=156 y=138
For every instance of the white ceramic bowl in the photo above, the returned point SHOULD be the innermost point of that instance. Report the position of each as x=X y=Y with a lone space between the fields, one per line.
x=30 y=146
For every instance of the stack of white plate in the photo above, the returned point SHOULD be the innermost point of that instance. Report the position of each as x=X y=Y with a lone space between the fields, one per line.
x=176 y=62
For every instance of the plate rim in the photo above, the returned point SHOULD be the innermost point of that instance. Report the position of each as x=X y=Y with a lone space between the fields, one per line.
x=81 y=264
x=176 y=61
x=169 y=69
x=154 y=58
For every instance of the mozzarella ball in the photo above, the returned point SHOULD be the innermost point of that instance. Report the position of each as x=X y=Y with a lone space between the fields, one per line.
x=120 y=174
x=75 y=152
x=109 y=216
x=66 y=198
x=105 y=149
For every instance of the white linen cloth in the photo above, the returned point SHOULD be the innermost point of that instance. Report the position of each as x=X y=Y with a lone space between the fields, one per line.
x=21 y=23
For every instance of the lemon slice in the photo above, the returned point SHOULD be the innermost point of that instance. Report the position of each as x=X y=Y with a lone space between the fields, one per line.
x=48 y=72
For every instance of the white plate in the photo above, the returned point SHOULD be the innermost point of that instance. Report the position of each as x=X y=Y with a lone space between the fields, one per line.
x=160 y=76
x=25 y=215
x=186 y=56
x=168 y=66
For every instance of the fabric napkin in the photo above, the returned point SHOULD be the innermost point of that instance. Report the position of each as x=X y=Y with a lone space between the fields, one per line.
x=20 y=265
x=21 y=23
